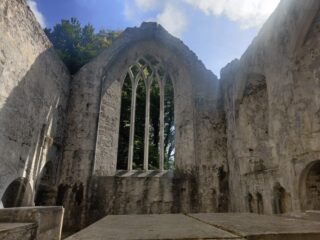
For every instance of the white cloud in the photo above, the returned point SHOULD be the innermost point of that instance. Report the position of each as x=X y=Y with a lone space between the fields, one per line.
x=39 y=16
x=147 y=5
x=171 y=13
x=248 y=13
x=173 y=19
x=129 y=12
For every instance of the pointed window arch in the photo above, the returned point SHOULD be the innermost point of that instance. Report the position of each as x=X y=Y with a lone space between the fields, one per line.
x=149 y=143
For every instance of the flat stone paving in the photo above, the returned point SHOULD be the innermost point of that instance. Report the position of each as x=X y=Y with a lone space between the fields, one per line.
x=311 y=215
x=151 y=227
x=253 y=226
x=200 y=226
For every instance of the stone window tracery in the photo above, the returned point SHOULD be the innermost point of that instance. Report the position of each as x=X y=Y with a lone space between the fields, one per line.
x=146 y=135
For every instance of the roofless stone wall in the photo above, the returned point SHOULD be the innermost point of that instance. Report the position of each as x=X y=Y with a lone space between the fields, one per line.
x=272 y=107
x=90 y=155
x=34 y=88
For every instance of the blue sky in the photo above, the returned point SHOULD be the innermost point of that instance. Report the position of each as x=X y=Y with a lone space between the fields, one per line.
x=218 y=31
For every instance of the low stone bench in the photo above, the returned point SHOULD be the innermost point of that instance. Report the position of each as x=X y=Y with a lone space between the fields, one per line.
x=16 y=231
x=47 y=221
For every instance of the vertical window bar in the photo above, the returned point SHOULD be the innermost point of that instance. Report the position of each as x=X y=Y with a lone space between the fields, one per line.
x=161 y=134
x=134 y=81
x=147 y=124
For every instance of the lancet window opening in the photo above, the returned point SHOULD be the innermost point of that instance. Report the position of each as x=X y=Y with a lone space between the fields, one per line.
x=146 y=137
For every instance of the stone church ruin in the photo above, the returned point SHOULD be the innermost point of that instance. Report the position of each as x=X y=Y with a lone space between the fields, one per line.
x=248 y=142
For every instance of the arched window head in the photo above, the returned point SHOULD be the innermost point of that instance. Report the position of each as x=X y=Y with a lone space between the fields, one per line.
x=146 y=137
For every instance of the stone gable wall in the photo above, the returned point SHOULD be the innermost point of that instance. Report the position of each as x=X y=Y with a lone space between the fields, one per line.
x=93 y=119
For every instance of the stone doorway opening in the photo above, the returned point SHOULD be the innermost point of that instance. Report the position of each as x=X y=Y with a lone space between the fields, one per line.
x=18 y=194
x=310 y=187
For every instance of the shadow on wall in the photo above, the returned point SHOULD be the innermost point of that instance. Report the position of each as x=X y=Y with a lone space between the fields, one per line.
x=31 y=125
x=45 y=186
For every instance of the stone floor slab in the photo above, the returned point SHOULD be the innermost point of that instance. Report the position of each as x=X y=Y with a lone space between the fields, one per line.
x=151 y=227
x=308 y=215
x=258 y=227
x=200 y=226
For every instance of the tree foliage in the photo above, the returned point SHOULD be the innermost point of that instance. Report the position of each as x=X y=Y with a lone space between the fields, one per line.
x=77 y=45
x=169 y=127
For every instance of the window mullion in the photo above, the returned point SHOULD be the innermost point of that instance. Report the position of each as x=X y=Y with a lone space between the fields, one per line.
x=135 y=82
x=147 y=124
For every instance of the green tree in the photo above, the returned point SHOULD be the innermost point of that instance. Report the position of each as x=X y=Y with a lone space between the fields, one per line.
x=77 y=45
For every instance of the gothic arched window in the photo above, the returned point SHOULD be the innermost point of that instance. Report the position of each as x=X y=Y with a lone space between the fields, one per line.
x=146 y=129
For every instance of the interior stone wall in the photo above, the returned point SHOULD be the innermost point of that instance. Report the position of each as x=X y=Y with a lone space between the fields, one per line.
x=138 y=192
x=34 y=88
x=279 y=126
